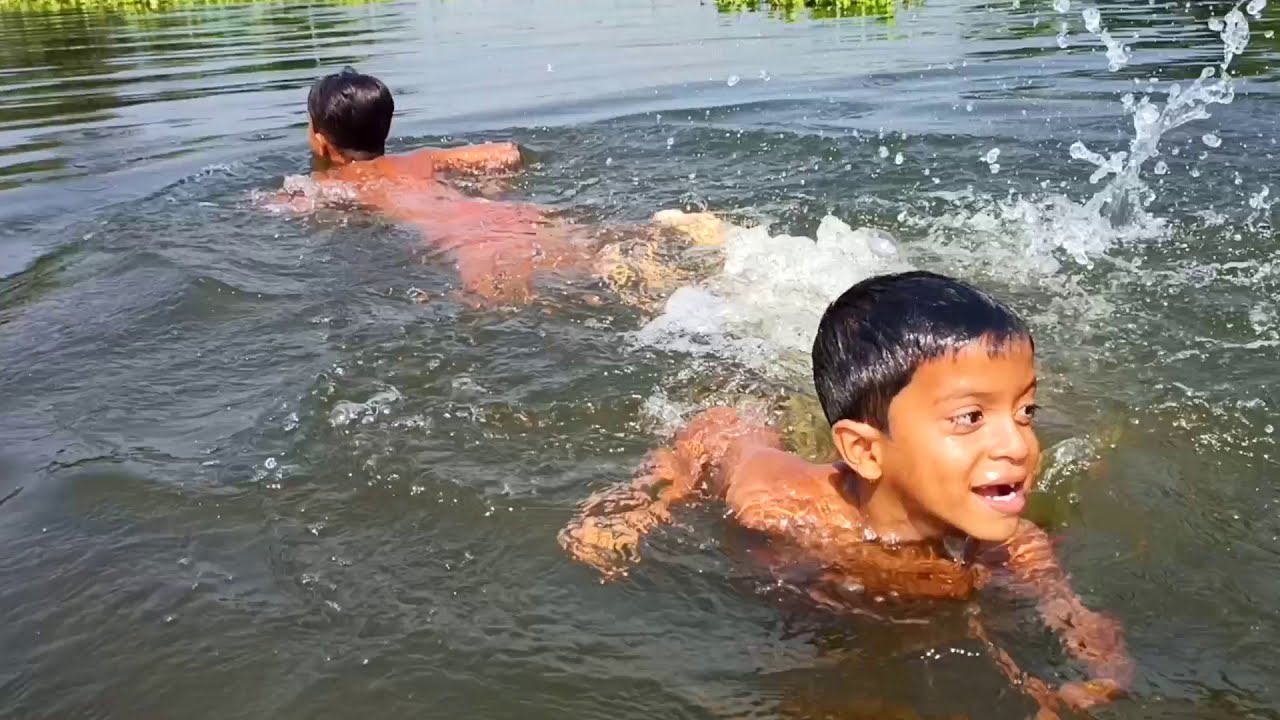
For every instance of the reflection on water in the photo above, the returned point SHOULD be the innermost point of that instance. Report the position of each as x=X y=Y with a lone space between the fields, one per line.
x=274 y=468
x=86 y=92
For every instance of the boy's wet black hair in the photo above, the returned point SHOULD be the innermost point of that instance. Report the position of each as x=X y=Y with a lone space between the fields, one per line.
x=353 y=111
x=873 y=338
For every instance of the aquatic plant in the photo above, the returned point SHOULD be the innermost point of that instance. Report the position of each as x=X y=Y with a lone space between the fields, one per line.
x=791 y=10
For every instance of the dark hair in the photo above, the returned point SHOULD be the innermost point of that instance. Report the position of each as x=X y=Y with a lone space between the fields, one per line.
x=353 y=111
x=873 y=338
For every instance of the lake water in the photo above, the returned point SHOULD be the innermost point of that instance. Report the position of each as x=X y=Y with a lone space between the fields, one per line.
x=270 y=467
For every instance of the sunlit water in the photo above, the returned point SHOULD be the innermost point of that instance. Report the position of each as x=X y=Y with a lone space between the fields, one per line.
x=272 y=468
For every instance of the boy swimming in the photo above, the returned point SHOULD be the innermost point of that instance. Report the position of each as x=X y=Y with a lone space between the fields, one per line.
x=350 y=118
x=929 y=387
x=498 y=246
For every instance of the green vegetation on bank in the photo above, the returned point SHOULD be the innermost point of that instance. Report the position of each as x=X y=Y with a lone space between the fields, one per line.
x=795 y=9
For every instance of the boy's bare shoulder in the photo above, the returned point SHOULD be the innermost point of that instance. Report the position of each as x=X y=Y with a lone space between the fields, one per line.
x=771 y=486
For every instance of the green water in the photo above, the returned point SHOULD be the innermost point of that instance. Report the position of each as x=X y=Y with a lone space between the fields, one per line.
x=200 y=535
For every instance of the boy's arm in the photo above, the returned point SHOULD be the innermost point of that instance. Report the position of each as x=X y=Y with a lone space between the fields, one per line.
x=478 y=159
x=1095 y=639
x=605 y=533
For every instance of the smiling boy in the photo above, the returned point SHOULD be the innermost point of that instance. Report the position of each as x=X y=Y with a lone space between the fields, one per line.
x=929 y=387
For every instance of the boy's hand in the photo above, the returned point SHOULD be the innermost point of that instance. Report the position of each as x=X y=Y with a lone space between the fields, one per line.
x=610 y=543
x=1084 y=695
x=606 y=531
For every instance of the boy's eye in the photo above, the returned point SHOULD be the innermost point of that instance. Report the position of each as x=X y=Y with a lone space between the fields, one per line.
x=1029 y=412
x=968 y=419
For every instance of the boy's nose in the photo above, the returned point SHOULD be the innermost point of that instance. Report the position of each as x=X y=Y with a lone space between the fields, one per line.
x=1010 y=441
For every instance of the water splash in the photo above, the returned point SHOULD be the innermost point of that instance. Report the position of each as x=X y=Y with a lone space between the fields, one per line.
x=345 y=412
x=763 y=308
x=302 y=194
x=1125 y=197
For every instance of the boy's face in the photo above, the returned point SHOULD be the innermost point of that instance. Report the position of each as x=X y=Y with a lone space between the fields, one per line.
x=961 y=451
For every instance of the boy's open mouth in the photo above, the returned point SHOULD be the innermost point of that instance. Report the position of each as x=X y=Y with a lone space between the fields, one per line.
x=1001 y=492
x=1008 y=498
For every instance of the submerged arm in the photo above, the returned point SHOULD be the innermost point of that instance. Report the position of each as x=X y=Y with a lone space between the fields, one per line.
x=479 y=159
x=605 y=532
x=1092 y=638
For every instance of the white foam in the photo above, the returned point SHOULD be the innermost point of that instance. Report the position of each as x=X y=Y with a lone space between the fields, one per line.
x=763 y=308
x=345 y=412
x=302 y=194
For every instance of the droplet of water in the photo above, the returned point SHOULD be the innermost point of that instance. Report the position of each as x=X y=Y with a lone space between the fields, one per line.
x=1216 y=24
x=1118 y=54
x=968 y=107
x=897 y=159
x=995 y=168
x=671 y=141
x=1062 y=6
x=1259 y=201
x=550 y=68
x=992 y=155
x=733 y=80
x=608 y=161
x=1269 y=429
x=270 y=464
x=1092 y=19
x=1255 y=7
x=1269 y=34
x=1195 y=172
x=1211 y=140
x=884 y=151
x=1016 y=4
x=1235 y=36
x=764 y=75
x=1161 y=168
x=1062 y=41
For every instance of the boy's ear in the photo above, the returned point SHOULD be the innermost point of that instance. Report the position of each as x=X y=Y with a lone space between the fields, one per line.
x=861 y=446
x=320 y=144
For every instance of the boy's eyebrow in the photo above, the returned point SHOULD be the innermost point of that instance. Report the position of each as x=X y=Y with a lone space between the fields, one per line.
x=984 y=394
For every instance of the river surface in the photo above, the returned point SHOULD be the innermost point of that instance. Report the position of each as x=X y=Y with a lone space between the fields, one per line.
x=271 y=466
